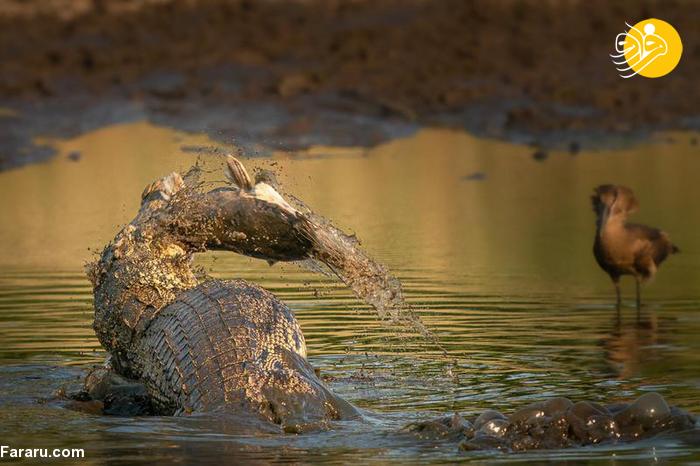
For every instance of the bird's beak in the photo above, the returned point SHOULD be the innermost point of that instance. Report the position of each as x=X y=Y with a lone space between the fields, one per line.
x=608 y=209
x=605 y=216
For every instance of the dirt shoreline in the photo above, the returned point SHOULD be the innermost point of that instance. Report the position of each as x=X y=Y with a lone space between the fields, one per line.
x=288 y=74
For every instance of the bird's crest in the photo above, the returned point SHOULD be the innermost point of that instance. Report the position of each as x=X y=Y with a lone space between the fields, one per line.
x=620 y=199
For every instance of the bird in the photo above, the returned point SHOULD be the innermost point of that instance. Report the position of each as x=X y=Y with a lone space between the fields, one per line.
x=264 y=188
x=623 y=248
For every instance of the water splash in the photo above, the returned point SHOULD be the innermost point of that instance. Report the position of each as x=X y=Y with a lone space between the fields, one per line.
x=339 y=253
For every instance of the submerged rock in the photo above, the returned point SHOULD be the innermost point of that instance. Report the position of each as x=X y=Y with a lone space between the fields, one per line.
x=106 y=392
x=454 y=426
x=494 y=427
x=559 y=423
x=487 y=416
x=647 y=411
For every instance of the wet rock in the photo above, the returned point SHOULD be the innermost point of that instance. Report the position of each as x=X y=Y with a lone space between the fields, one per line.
x=590 y=422
x=557 y=434
x=494 y=427
x=678 y=420
x=586 y=409
x=538 y=425
x=524 y=442
x=615 y=408
x=577 y=426
x=458 y=423
x=559 y=423
x=558 y=405
x=94 y=407
x=483 y=442
x=427 y=429
x=487 y=416
x=127 y=405
x=528 y=414
x=601 y=428
x=631 y=433
x=81 y=395
x=648 y=410
x=450 y=426
x=119 y=396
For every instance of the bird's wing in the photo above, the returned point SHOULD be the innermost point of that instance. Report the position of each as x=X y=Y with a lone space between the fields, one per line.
x=652 y=242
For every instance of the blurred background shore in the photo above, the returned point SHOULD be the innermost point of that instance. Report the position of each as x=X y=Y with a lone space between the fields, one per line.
x=286 y=74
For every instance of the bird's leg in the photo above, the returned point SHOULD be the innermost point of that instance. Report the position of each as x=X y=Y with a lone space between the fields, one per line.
x=639 y=295
x=618 y=301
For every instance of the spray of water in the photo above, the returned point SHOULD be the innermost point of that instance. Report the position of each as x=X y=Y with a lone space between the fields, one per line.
x=370 y=281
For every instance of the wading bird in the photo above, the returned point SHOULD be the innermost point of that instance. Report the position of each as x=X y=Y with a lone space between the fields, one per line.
x=623 y=248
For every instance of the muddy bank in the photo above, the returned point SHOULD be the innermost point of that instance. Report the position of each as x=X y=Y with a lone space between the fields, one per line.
x=292 y=73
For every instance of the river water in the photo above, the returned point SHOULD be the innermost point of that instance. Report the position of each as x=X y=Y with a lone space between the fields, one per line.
x=493 y=249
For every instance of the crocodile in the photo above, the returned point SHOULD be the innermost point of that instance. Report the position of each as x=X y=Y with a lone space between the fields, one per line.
x=198 y=344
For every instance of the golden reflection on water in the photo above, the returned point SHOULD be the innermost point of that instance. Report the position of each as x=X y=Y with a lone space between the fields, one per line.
x=526 y=226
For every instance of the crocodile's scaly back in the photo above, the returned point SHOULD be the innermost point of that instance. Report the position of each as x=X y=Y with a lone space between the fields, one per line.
x=232 y=345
